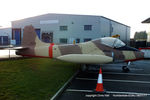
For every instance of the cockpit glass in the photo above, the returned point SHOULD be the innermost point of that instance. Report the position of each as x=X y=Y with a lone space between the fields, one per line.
x=112 y=42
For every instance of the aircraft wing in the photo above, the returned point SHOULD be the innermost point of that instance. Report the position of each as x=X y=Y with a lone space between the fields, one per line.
x=86 y=58
x=11 y=48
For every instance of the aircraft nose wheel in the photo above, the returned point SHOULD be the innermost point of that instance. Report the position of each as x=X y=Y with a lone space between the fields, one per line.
x=125 y=69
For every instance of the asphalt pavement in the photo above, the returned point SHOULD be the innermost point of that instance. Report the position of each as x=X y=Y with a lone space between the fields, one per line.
x=134 y=85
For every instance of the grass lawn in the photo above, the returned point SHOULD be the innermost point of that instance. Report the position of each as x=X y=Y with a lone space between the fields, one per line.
x=33 y=79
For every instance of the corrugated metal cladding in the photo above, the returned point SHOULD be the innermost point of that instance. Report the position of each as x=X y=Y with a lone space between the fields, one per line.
x=5 y=34
x=4 y=40
x=65 y=28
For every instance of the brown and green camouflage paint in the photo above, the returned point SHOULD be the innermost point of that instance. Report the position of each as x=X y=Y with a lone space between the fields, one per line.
x=38 y=48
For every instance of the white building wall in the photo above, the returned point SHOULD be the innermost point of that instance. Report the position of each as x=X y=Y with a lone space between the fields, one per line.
x=105 y=27
x=101 y=26
x=5 y=32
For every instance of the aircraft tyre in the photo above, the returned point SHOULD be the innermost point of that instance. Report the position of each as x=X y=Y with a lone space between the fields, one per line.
x=125 y=69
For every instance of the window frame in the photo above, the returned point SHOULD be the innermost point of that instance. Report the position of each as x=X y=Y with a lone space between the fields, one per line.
x=87 y=39
x=77 y=40
x=87 y=27
x=63 y=28
x=66 y=40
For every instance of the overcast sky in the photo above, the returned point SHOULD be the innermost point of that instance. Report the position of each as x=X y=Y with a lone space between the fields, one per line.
x=129 y=12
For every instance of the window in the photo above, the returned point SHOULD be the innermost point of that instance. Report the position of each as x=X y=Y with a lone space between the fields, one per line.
x=63 y=40
x=87 y=27
x=78 y=40
x=112 y=42
x=63 y=28
x=47 y=37
x=86 y=40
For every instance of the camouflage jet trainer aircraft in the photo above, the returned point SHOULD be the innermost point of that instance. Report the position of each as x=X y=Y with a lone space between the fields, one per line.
x=99 y=51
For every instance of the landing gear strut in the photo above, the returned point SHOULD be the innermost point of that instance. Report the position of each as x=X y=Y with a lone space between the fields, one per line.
x=126 y=68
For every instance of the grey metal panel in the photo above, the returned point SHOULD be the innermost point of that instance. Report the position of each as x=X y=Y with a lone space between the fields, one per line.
x=5 y=40
x=105 y=27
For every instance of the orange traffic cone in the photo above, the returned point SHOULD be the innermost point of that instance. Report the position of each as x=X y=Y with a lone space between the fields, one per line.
x=99 y=87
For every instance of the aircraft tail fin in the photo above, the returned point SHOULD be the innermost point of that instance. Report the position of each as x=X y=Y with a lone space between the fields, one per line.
x=30 y=41
x=30 y=37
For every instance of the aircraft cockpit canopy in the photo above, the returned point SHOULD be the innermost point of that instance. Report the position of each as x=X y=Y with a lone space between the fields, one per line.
x=112 y=42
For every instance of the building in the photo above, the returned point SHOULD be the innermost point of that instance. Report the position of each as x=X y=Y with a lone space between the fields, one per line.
x=65 y=28
x=146 y=20
x=5 y=36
